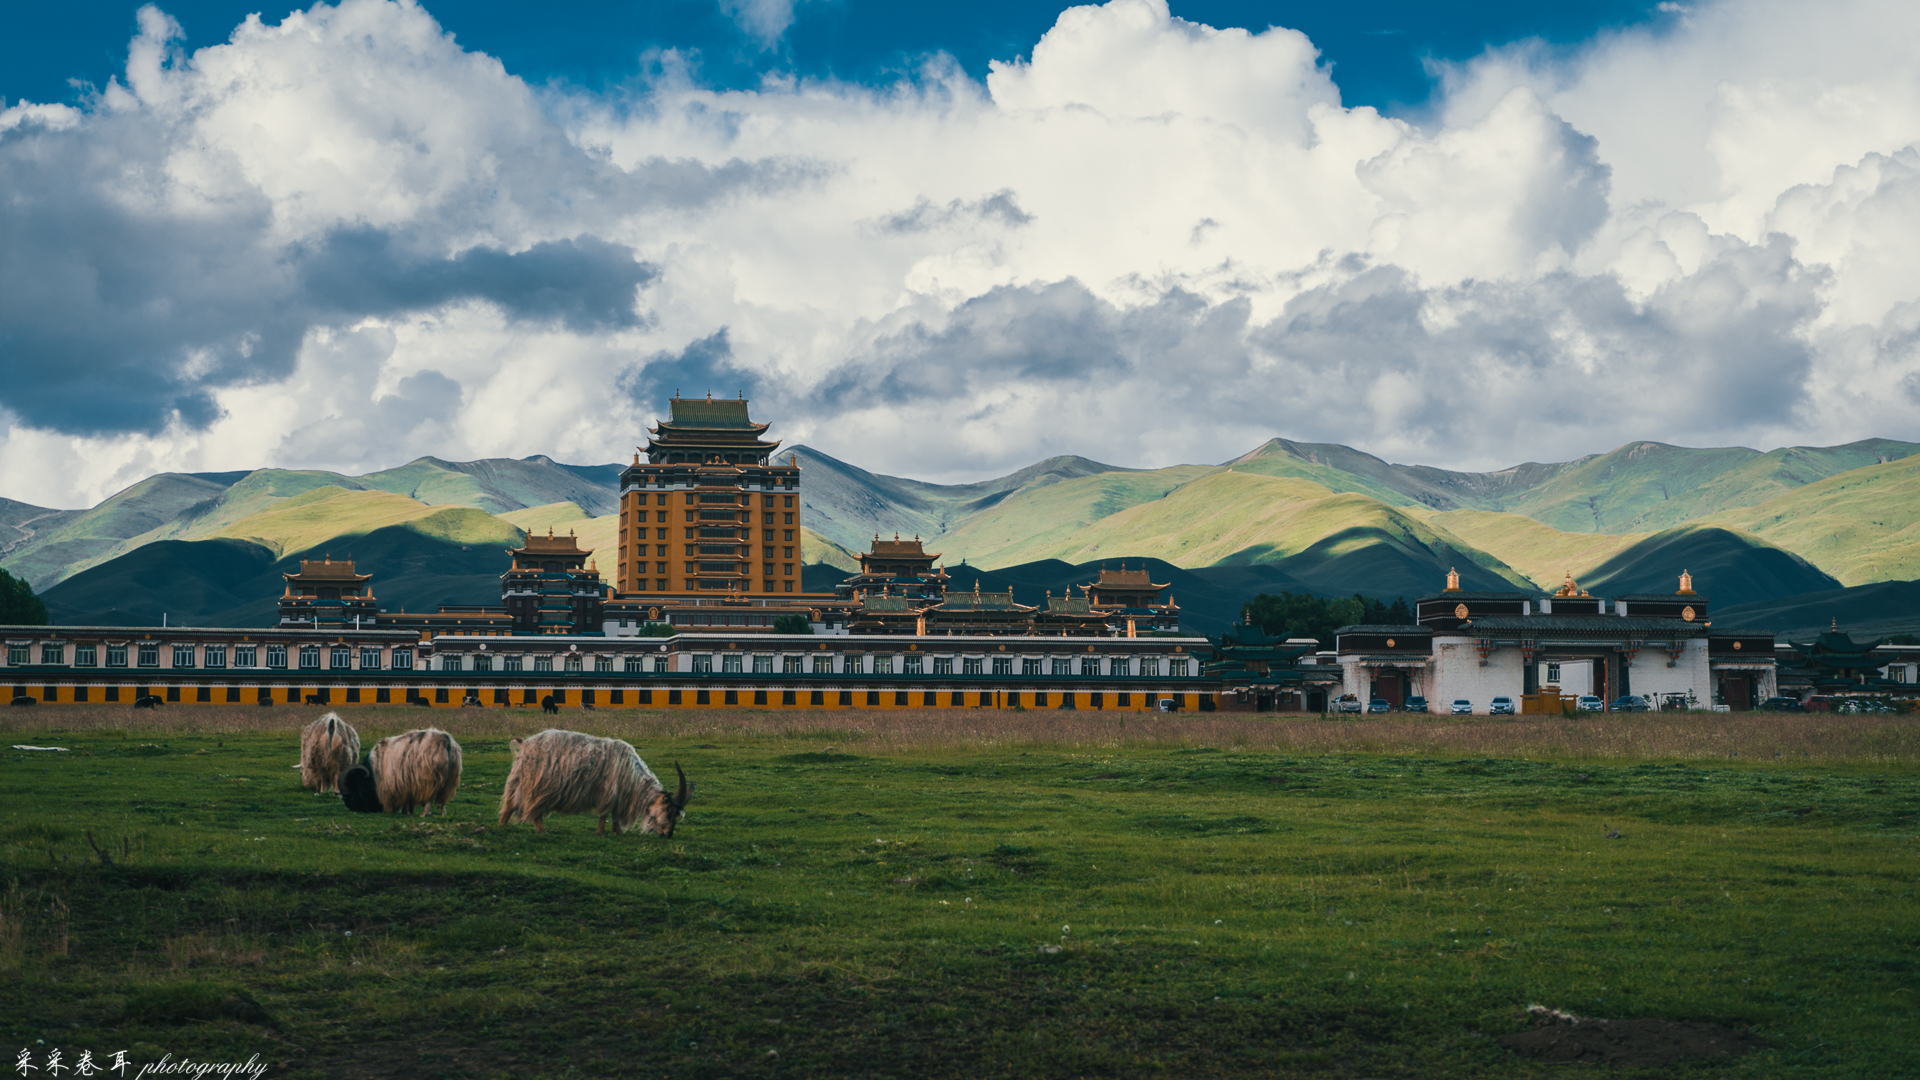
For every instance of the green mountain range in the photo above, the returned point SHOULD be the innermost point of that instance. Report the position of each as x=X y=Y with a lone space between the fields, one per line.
x=1755 y=529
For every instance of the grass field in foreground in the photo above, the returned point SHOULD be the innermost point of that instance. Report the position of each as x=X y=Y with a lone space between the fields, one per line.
x=971 y=894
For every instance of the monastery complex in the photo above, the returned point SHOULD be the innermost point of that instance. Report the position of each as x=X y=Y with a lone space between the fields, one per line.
x=706 y=606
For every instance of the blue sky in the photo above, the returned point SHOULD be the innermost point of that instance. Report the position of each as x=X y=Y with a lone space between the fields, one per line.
x=1377 y=49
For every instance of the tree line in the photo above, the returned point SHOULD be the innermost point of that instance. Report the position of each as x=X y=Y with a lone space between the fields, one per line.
x=18 y=605
x=1303 y=615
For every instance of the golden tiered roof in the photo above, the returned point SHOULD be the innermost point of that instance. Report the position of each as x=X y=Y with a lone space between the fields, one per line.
x=551 y=545
x=325 y=569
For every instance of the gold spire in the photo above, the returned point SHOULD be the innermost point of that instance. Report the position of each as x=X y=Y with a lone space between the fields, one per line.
x=1686 y=584
x=1453 y=580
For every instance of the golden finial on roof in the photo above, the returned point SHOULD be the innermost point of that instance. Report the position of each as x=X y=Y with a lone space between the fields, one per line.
x=1686 y=584
x=1453 y=580
x=1836 y=625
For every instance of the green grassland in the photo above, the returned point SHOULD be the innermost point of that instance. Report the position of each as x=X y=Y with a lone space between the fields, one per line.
x=815 y=548
x=319 y=515
x=1860 y=526
x=1042 y=522
x=1542 y=553
x=973 y=894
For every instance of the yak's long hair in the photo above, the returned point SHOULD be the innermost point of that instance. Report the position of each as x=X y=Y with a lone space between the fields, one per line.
x=328 y=747
x=416 y=768
x=568 y=772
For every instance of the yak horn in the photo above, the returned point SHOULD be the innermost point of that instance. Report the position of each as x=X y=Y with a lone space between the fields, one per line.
x=686 y=789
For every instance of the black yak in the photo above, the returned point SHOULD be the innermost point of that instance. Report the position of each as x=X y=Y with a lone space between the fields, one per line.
x=358 y=790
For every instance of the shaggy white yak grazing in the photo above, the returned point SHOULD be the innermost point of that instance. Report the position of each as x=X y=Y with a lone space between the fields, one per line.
x=416 y=768
x=328 y=747
x=567 y=772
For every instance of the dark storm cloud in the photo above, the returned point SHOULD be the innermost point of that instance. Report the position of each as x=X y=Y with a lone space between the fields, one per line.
x=583 y=283
x=706 y=366
x=1374 y=357
x=128 y=298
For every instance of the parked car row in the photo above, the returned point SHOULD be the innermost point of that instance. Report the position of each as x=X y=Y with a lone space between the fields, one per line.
x=1507 y=706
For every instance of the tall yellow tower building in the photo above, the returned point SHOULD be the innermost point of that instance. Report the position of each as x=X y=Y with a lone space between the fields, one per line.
x=710 y=511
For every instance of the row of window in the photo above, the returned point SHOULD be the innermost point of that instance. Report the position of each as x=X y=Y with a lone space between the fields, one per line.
x=571 y=662
x=147 y=655
x=713 y=584
x=916 y=664
x=660 y=498
x=824 y=664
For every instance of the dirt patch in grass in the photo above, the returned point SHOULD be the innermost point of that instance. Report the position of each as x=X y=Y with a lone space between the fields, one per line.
x=1645 y=1043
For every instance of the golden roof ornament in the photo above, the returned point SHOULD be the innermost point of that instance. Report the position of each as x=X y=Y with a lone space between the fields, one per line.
x=1686 y=584
x=1453 y=580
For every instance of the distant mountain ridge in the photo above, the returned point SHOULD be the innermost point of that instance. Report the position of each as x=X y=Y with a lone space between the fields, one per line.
x=1753 y=527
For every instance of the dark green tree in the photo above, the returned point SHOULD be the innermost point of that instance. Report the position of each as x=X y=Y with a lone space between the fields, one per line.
x=791 y=624
x=18 y=605
x=1304 y=615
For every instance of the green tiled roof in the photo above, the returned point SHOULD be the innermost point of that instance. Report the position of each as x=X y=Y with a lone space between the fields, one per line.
x=698 y=413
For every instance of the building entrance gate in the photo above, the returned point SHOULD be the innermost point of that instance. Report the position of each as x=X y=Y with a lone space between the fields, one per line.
x=1608 y=671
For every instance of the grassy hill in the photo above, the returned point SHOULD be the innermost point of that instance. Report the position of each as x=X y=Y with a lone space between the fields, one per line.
x=1881 y=609
x=1541 y=553
x=818 y=550
x=88 y=537
x=188 y=582
x=1860 y=526
x=1041 y=521
x=498 y=485
x=1337 y=519
x=46 y=547
x=849 y=505
x=1729 y=566
x=1341 y=541
x=417 y=566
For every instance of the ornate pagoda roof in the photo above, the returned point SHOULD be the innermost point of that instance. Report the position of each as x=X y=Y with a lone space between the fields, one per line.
x=1124 y=578
x=982 y=601
x=897 y=548
x=325 y=569
x=551 y=545
x=699 y=424
x=893 y=605
x=1834 y=649
x=694 y=414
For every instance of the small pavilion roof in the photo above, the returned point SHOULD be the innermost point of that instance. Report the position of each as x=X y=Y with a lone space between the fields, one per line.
x=325 y=569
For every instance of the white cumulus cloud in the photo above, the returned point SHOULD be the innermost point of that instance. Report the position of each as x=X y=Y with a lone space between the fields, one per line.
x=341 y=241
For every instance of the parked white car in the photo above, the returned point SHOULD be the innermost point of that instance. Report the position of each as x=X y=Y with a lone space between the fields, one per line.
x=1591 y=703
x=1462 y=707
